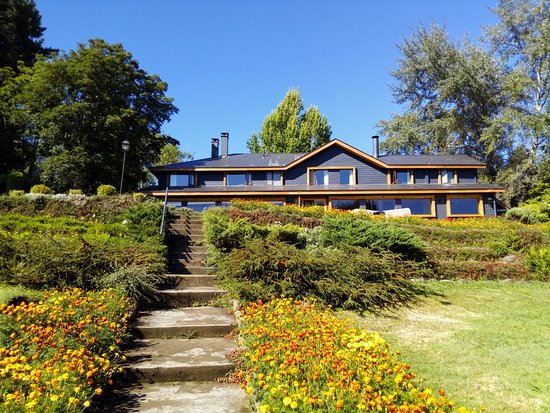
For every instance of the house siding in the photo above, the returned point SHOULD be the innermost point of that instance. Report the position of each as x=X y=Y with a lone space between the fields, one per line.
x=210 y=179
x=336 y=156
x=489 y=205
x=441 y=206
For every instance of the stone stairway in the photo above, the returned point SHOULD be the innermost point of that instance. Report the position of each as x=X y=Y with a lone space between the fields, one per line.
x=180 y=348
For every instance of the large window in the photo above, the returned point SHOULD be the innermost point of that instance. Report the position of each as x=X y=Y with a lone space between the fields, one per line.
x=274 y=178
x=418 y=206
x=380 y=204
x=182 y=179
x=332 y=176
x=401 y=177
x=346 y=177
x=346 y=204
x=464 y=206
x=238 y=179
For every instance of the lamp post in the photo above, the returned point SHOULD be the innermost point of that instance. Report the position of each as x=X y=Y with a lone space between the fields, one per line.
x=125 y=148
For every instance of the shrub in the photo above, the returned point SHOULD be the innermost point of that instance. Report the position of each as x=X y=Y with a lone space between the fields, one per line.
x=16 y=192
x=524 y=215
x=139 y=196
x=106 y=190
x=376 y=235
x=75 y=192
x=537 y=260
x=14 y=180
x=355 y=279
x=40 y=189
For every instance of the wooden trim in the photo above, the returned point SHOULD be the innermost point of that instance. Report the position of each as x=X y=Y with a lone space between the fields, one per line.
x=411 y=177
x=480 y=208
x=388 y=175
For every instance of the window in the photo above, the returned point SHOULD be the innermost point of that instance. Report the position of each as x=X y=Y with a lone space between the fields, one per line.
x=380 y=204
x=346 y=204
x=238 y=179
x=313 y=202
x=274 y=178
x=464 y=206
x=447 y=176
x=346 y=177
x=418 y=206
x=401 y=177
x=200 y=206
x=182 y=179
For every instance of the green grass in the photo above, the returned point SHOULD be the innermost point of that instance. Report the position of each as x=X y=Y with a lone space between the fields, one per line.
x=9 y=293
x=484 y=343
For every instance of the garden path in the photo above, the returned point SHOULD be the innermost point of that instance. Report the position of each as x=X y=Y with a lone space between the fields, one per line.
x=180 y=349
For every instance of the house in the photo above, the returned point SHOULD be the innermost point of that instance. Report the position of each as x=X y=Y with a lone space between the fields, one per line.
x=336 y=175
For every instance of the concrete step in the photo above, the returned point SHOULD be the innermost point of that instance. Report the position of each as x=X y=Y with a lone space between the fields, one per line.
x=191 y=256
x=194 y=397
x=186 y=225
x=190 y=236
x=188 y=297
x=192 y=249
x=188 y=322
x=178 y=360
x=178 y=281
x=176 y=262
x=186 y=268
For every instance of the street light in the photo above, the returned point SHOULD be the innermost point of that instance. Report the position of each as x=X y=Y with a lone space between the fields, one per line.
x=125 y=148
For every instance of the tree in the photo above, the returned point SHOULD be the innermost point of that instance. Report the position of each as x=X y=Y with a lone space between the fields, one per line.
x=521 y=39
x=20 y=42
x=291 y=129
x=20 y=33
x=453 y=96
x=170 y=153
x=79 y=107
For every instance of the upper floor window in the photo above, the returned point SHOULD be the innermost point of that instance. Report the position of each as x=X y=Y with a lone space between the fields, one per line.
x=401 y=177
x=346 y=177
x=274 y=178
x=332 y=176
x=318 y=177
x=238 y=179
x=179 y=179
x=448 y=176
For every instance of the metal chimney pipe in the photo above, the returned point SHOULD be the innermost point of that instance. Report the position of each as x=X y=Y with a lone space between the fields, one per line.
x=225 y=144
x=215 y=148
x=375 y=146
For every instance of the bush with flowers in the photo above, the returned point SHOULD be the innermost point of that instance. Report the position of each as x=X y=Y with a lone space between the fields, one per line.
x=56 y=354
x=301 y=358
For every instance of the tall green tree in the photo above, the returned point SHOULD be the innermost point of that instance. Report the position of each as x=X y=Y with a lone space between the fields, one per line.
x=521 y=39
x=20 y=43
x=80 y=106
x=452 y=94
x=20 y=33
x=290 y=128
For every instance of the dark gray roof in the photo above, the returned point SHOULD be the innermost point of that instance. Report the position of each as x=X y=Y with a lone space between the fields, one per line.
x=332 y=188
x=430 y=160
x=239 y=160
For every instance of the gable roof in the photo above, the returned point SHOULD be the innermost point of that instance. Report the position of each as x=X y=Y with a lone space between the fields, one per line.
x=284 y=161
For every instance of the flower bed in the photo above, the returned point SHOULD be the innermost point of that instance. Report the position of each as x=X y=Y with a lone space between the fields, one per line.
x=301 y=358
x=56 y=354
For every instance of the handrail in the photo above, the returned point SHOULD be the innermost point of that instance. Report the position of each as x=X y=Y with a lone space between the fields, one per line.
x=164 y=210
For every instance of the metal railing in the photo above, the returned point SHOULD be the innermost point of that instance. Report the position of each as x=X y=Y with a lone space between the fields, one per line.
x=164 y=211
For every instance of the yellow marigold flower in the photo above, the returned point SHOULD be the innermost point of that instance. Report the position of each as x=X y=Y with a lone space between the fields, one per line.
x=293 y=405
x=264 y=408
x=287 y=400
x=86 y=403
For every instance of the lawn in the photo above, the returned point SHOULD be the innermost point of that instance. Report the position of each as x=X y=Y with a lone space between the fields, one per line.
x=486 y=343
x=17 y=293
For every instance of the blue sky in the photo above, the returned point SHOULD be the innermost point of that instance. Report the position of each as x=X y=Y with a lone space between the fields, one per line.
x=229 y=63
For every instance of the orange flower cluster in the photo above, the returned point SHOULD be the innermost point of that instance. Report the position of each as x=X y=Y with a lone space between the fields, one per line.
x=304 y=359
x=58 y=353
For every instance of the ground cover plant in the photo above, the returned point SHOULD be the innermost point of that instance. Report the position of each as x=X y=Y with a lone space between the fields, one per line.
x=58 y=353
x=360 y=265
x=484 y=342
x=299 y=357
